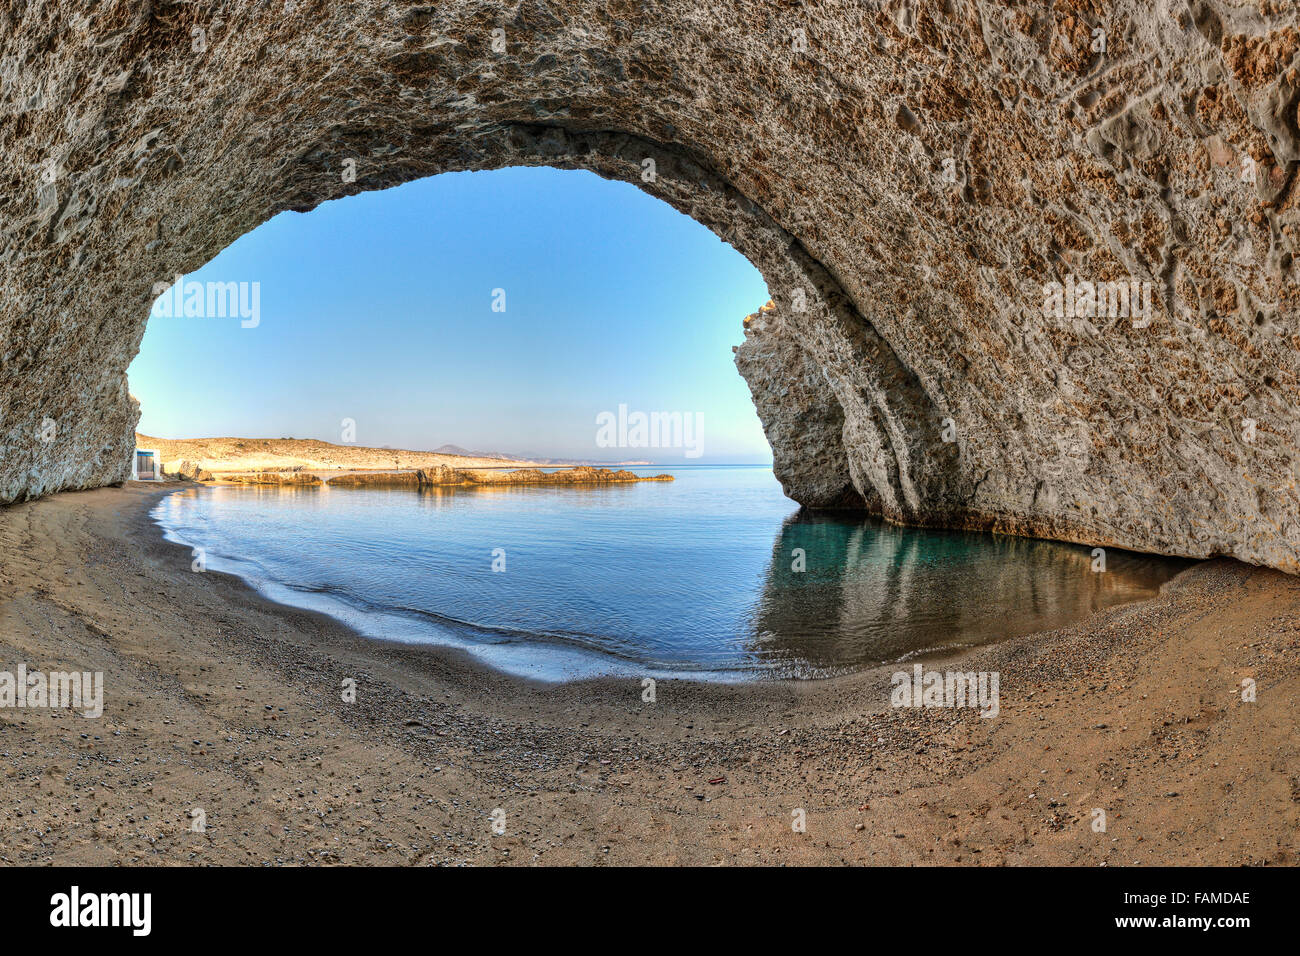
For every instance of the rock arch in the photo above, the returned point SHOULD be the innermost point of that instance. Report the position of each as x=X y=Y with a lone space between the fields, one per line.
x=907 y=177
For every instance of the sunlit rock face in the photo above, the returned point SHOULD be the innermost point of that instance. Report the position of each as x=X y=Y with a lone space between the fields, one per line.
x=802 y=418
x=910 y=180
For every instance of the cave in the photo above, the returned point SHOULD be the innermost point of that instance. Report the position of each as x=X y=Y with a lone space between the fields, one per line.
x=909 y=180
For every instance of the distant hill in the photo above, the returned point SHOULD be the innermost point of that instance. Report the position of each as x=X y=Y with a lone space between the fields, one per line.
x=458 y=450
x=466 y=453
x=231 y=455
x=308 y=454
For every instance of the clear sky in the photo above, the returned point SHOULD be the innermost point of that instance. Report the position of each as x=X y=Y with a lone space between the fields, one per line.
x=379 y=308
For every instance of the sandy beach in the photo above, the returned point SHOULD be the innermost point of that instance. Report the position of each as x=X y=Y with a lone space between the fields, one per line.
x=220 y=702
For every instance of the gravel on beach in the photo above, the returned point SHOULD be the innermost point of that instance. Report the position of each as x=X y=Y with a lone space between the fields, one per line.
x=226 y=736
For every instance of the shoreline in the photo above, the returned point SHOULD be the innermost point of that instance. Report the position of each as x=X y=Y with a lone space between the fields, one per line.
x=530 y=659
x=237 y=457
x=589 y=658
x=590 y=773
x=425 y=479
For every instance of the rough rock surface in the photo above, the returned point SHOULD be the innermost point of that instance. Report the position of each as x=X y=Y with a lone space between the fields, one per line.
x=439 y=475
x=390 y=479
x=802 y=418
x=183 y=468
x=275 y=478
x=907 y=175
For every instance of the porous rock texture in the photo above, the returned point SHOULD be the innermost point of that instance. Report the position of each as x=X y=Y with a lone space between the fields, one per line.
x=907 y=175
x=801 y=416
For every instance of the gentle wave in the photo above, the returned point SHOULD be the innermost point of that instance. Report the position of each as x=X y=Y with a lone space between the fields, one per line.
x=715 y=576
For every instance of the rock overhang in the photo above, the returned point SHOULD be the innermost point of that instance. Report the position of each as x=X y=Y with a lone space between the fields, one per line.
x=908 y=179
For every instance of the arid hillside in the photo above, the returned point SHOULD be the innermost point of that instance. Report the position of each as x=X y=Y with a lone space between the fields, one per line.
x=224 y=455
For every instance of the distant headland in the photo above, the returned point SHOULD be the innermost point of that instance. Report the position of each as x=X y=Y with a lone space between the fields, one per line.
x=308 y=461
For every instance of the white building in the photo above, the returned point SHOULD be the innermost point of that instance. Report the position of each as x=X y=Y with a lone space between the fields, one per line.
x=145 y=465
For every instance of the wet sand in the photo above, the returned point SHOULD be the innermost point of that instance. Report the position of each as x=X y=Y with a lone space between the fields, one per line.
x=219 y=701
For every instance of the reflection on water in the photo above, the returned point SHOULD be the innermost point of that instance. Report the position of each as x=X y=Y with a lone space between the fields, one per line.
x=696 y=576
x=871 y=592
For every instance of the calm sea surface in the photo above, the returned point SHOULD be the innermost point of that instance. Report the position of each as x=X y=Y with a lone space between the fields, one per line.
x=695 y=577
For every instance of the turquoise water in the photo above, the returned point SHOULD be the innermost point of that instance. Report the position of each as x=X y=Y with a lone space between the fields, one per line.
x=695 y=577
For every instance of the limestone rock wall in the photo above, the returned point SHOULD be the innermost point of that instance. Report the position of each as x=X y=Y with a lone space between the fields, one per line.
x=908 y=175
x=801 y=416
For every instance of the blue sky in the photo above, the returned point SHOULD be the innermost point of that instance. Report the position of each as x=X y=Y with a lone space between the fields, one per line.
x=378 y=308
